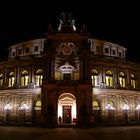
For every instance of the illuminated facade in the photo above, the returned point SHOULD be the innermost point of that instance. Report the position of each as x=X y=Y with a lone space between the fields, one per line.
x=68 y=77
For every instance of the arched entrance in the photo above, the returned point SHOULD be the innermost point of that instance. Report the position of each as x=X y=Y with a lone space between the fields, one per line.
x=66 y=109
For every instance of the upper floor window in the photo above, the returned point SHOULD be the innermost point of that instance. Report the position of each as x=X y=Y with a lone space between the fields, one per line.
x=94 y=78
x=66 y=71
x=133 y=81
x=13 y=53
x=27 y=50
x=1 y=80
x=39 y=77
x=106 y=50
x=19 y=52
x=24 y=78
x=122 y=79
x=113 y=52
x=35 y=48
x=98 y=49
x=11 y=79
x=109 y=78
x=120 y=54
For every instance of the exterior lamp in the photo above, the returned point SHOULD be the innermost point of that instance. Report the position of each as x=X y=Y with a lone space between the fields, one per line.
x=126 y=108
x=138 y=109
x=24 y=107
x=8 y=109
x=109 y=107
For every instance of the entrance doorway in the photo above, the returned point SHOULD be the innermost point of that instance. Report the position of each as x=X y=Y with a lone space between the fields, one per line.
x=66 y=109
x=67 y=114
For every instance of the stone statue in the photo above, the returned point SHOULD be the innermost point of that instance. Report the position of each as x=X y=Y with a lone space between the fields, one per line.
x=67 y=22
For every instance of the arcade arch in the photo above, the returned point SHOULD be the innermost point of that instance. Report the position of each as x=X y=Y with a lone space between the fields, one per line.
x=67 y=109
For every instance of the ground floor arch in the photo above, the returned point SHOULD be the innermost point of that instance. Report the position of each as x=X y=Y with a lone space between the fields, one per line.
x=67 y=112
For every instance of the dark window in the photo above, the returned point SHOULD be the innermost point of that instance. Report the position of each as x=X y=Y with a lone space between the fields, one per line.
x=120 y=54
x=67 y=76
x=13 y=53
x=114 y=52
x=106 y=50
x=98 y=49
x=19 y=51
x=35 y=48
x=27 y=50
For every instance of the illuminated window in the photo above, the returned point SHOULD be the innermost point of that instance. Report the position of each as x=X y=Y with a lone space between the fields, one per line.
x=95 y=105
x=11 y=79
x=133 y=81
x=109 y=78
x=24 y=78
x=38 y=104
x=95 y=78
x=122 y=79
x=39 y=77
x=1 y=80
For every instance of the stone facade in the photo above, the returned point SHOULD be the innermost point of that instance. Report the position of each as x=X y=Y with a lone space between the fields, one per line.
x=71 y=75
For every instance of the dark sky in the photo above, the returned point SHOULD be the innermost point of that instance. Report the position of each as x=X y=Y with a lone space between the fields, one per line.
x=112 y=21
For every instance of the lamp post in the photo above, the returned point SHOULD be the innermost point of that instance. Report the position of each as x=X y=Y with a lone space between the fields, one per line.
x=7 y=109
x=126 y=108
x=138 y=110
x=24 y=107
x=109 y=107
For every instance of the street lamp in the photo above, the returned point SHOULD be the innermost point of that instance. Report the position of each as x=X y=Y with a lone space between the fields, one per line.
x=8 y=109
x=24 y=107
x=109 y=107
x=126 y=108
x=138 y=109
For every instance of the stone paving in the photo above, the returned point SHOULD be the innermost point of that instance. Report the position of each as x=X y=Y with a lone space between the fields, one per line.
x=99 y=133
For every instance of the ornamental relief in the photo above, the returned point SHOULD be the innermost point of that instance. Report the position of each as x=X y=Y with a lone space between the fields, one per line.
x=66 y=49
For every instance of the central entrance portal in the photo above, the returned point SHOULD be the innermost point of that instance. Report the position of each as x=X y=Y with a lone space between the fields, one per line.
x=66 y=114
x=66 y=109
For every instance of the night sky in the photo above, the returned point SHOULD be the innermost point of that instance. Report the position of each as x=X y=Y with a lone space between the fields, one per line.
x=117 y=22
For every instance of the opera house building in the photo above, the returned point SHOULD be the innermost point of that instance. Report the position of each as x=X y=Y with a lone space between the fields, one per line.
x=68 y=77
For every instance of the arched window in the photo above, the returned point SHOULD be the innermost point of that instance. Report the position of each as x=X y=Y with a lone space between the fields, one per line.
x=39 y=77
x=111 y=103
x=38 y=104
x=94 y=77
x=24 y=78
x=11 y=79
x=95 y=105
x=1 y=80
x=122 y=79
x=133 y=81
x=109 y=78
